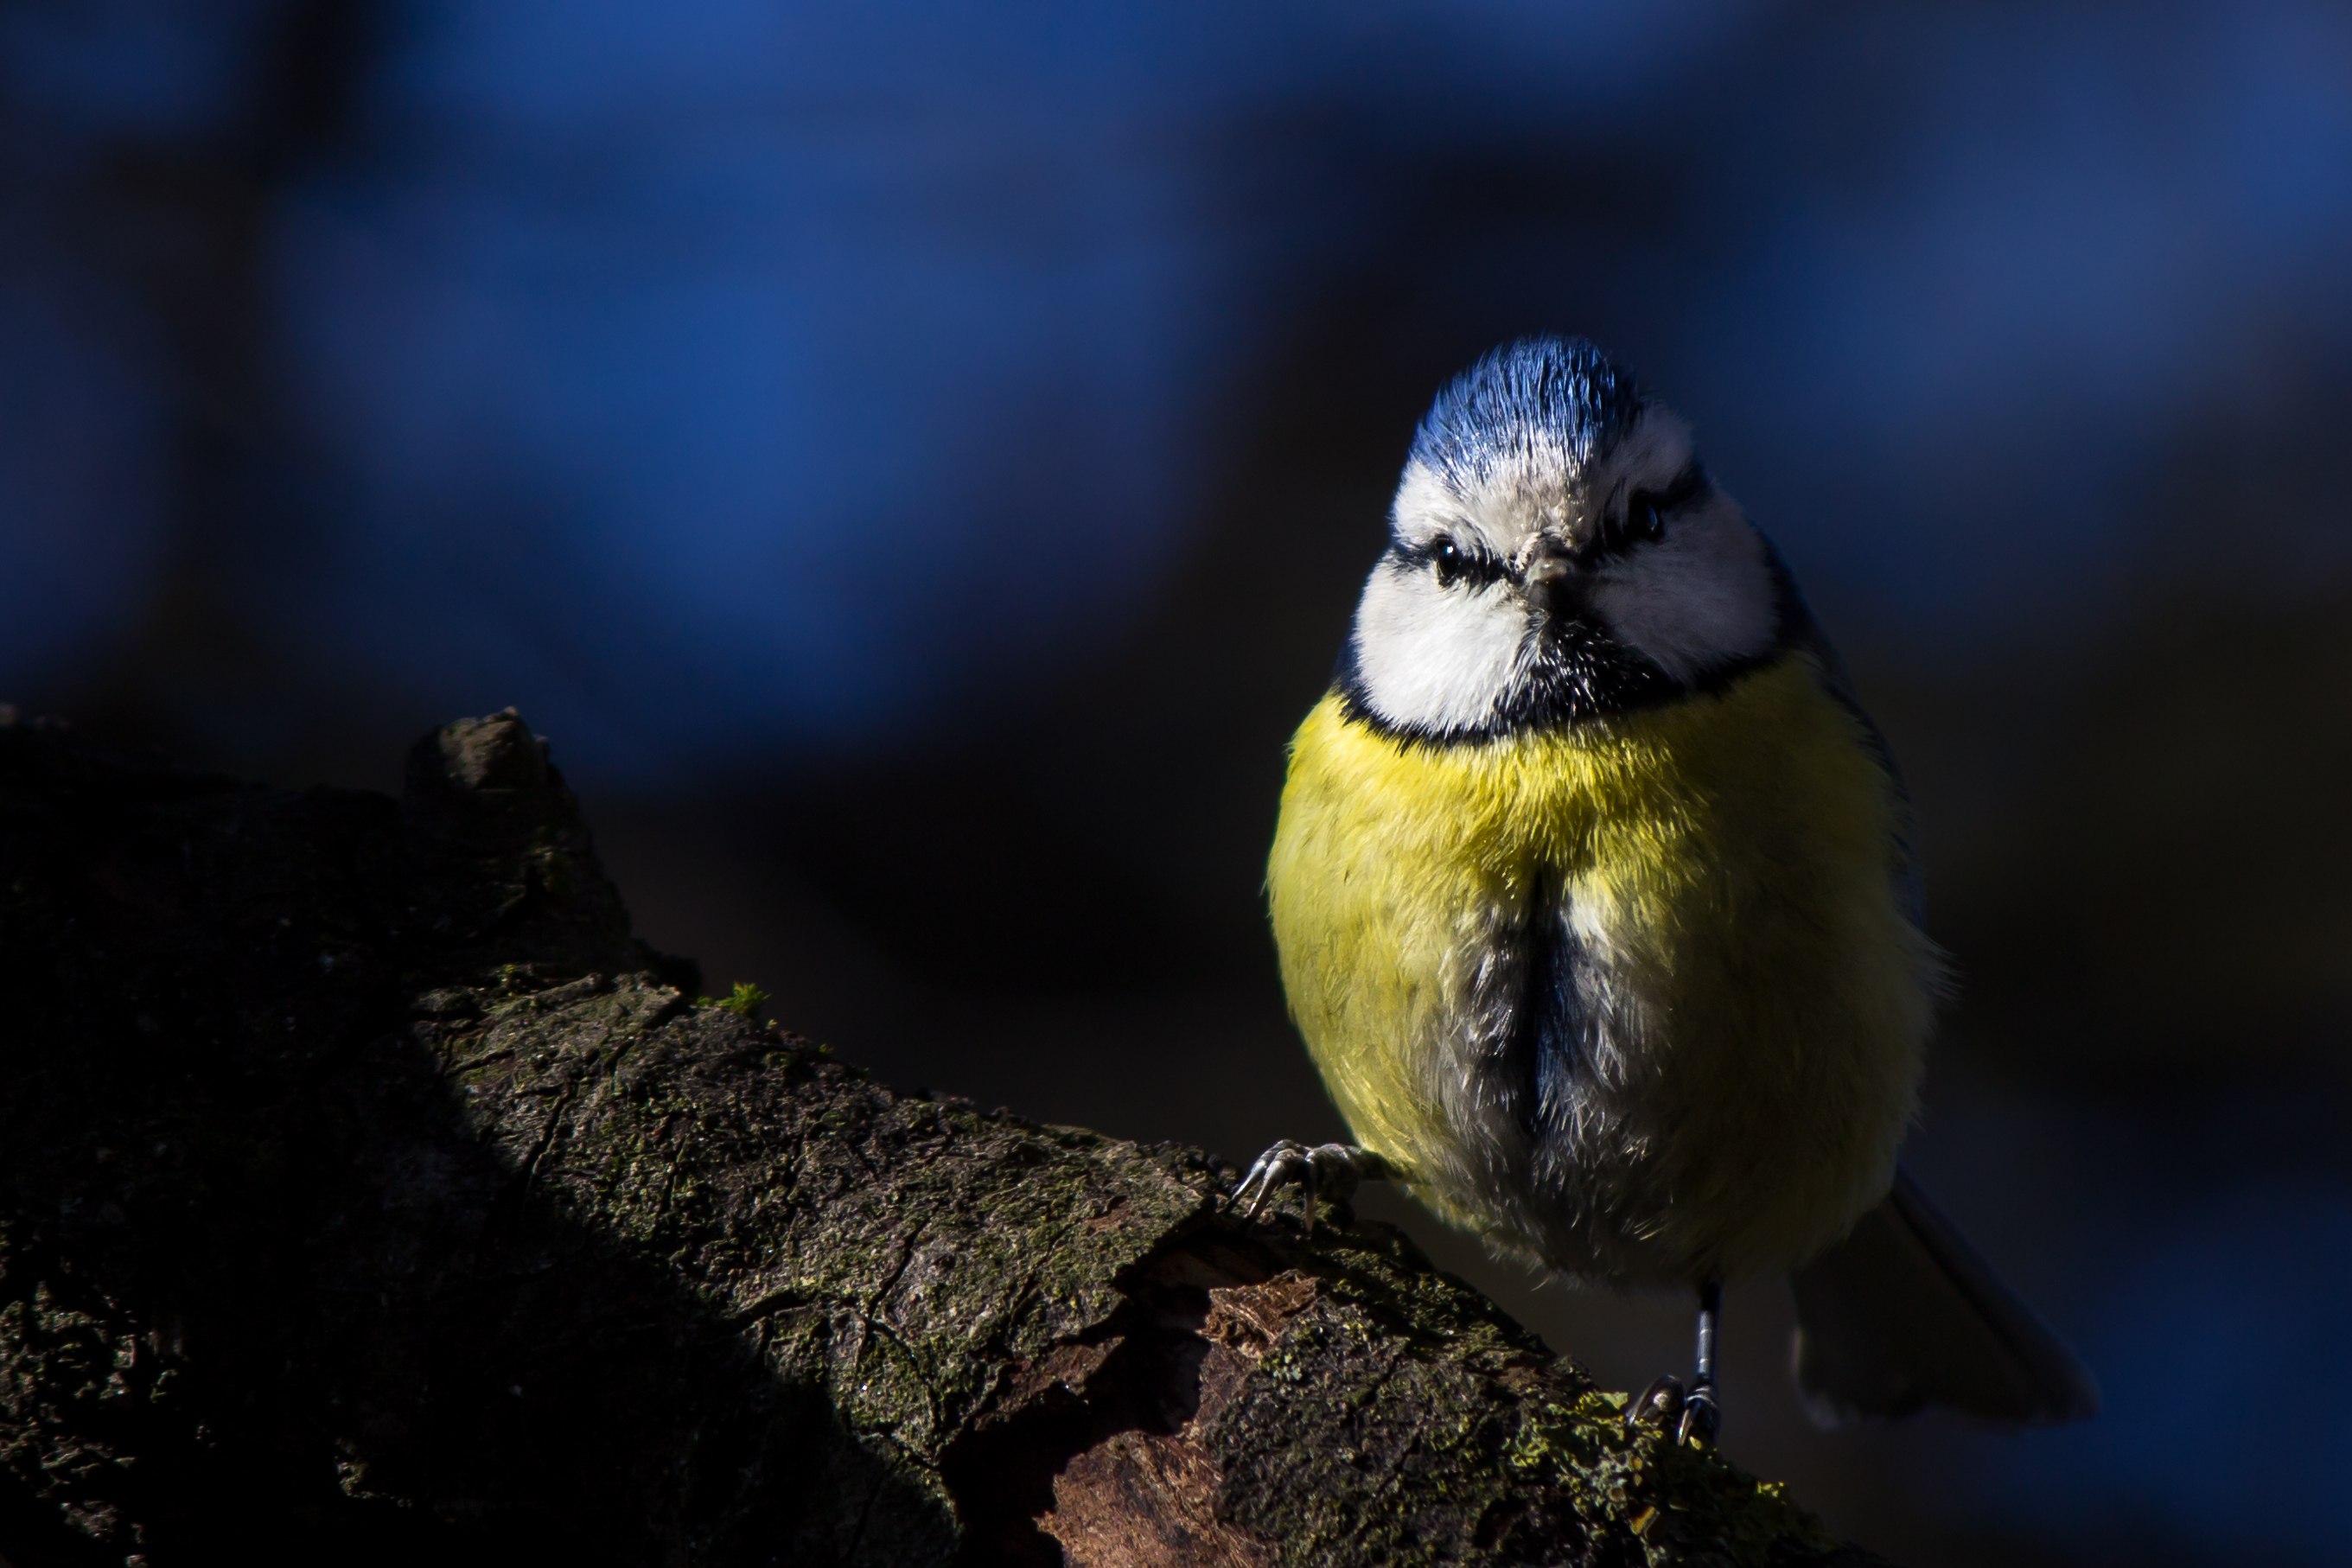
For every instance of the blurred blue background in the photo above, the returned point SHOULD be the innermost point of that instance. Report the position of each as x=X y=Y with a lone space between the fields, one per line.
x=916 y=463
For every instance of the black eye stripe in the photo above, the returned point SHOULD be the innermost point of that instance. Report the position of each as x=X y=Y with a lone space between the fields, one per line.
x=1452 y=561
x=1642 y=515
x=1637 y=517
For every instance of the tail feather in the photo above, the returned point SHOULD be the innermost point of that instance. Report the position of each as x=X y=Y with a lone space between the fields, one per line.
x=1903 y=1313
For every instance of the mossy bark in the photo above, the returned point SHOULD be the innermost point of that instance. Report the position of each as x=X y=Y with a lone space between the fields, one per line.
x=368 y=1192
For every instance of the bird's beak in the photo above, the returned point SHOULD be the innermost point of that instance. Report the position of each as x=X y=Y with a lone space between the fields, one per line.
x=1552 y=581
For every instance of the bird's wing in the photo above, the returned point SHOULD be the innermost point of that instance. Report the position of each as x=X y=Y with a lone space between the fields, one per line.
x=1800 y=631
x=1904 y=1313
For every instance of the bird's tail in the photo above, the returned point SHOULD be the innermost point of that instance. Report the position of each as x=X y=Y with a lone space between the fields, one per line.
x=1904 y=1314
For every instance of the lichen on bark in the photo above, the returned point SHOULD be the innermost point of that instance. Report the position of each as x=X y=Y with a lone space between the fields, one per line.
x=368 y=1191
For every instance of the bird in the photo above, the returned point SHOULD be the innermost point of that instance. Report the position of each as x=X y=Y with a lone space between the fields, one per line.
x=1596 y=906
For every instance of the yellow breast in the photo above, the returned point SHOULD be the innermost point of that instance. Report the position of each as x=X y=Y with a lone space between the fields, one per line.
x=1762 y=996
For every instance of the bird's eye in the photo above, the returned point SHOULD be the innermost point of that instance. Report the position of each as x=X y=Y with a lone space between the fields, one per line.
x=1446 y=556
x=1645 y=511
x=1644 y=518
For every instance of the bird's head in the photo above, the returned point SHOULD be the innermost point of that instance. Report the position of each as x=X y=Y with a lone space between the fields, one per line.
x=1556 y=553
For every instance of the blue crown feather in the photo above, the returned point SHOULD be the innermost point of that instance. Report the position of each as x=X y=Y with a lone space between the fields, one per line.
x=1561 y=394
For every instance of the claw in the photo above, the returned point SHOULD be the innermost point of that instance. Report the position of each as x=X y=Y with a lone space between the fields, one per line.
x=1328 y=1174
x=1286 y=1161
x=1691 y=1415
x=1701 y=1417
x=1660 y=1404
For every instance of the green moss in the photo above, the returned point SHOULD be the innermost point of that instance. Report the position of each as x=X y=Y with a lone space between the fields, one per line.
x=745 y=1001
x=1398 y=1383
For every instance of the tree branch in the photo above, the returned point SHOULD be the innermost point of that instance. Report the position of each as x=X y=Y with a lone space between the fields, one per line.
x=367 y=1191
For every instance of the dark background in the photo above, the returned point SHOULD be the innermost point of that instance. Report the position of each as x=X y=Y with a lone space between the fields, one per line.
x=917 y=465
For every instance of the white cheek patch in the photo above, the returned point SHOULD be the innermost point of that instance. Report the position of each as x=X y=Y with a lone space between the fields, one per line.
x=1433 y=657
x=1701 y=598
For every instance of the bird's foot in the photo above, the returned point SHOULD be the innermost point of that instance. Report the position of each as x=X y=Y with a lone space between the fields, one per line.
x=1327 y=1173
x=1702 y=1418
x=1692 y=1415
x=1659 y=1405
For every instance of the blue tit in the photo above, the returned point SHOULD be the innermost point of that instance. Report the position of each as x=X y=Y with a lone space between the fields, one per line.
x=1597 y=910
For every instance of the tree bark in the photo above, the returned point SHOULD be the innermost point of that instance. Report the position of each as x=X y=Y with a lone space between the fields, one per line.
x=368 y=1192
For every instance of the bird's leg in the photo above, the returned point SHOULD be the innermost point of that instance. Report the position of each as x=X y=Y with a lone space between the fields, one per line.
x=1702 y=1415
x=1328 y=1173
x=1694 y=1412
